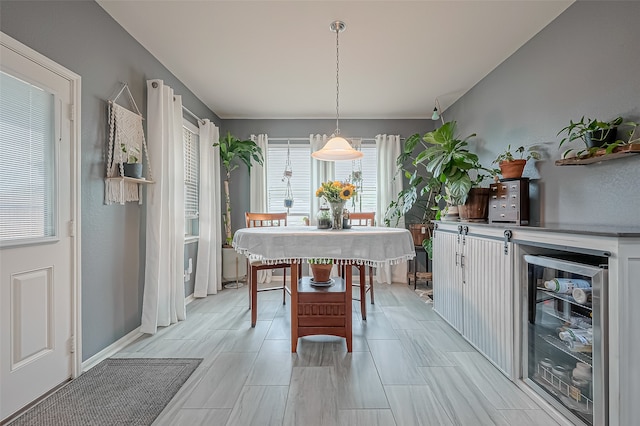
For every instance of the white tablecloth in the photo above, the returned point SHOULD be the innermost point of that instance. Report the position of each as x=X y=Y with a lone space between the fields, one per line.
x=369 y=245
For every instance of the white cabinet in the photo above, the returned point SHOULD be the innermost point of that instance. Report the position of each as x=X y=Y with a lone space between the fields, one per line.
x=473 y=290
x=447 y=281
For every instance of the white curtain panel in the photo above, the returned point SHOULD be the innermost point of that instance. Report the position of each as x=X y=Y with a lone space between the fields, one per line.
x=321 y=171
x=163 y=300
x=258 y=191
x=209 y=270
x=388 y=148
x=258 y=178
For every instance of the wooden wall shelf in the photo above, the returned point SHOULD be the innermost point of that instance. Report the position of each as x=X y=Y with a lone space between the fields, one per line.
x=130 y=179
x=601 y=155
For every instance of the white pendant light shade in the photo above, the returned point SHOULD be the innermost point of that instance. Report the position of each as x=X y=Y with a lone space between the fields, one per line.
x=336 y=149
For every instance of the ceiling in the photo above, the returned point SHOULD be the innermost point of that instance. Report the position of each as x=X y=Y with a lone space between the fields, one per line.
x=277 y=59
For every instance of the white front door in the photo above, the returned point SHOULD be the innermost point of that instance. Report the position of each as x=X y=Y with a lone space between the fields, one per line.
x=37 y=259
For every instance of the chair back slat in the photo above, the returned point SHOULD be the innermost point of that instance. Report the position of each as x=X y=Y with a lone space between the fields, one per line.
x=254 y=220
x=362 y=218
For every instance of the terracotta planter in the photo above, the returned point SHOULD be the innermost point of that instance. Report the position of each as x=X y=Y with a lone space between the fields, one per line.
x=420 y=232
x=476 y=209
x=512 y=169
x=321 y=273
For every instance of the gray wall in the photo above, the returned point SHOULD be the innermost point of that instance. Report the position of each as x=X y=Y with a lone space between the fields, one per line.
x=586 y=62
x=81 y=36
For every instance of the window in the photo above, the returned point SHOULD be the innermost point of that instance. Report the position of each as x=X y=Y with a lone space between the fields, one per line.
x=300 y=179
x=367 y=200
x=27 y=146
x=276 y=159
x=191 y=140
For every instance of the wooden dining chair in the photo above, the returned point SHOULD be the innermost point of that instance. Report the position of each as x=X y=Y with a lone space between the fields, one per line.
x=364 y=219
x=263 y=220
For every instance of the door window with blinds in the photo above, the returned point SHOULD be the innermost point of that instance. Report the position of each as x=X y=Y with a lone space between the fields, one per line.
x=27 y=162
x=191 y=141
x=300 y=153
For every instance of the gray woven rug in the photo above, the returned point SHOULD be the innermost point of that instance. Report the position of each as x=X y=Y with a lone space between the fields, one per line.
x=118 y=391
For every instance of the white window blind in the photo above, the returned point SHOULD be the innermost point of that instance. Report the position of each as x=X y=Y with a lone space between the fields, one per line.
x=191 y=173
x=367 y=198
x=300 y=179
x=27 y=161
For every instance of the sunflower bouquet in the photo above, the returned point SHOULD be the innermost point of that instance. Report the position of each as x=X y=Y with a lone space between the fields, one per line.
x=336 y=191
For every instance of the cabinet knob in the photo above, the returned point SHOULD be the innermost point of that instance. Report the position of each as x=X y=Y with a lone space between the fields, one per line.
x=514 y=186
x=494 y=197
x=513 y=206
x=504 y=186
x=502 y=215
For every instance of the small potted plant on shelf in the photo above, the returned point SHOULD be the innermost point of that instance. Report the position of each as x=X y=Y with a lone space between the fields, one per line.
x=132 y=167
x=512 y=162
x=592 y=132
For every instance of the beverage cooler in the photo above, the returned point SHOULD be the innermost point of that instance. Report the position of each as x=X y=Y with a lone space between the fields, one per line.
x=564 y=354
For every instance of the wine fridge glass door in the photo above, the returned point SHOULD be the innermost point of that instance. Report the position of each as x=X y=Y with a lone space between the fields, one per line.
x=564 y=349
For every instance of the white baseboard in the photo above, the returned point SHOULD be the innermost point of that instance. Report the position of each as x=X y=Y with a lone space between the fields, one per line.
x=112 y=349
x=119 y=344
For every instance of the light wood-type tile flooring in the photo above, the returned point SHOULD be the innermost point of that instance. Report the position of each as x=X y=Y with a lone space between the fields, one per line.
x=408 y=367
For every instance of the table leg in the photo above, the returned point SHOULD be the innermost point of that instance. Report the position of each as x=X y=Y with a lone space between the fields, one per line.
x=348 y=303
x=294 y=306
x=254 y=296
x=363 y=292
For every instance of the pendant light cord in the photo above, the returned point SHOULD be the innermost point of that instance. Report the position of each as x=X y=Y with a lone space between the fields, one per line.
x=337 y=80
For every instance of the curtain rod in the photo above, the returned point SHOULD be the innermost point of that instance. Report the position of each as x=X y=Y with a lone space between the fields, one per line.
x=185 y=109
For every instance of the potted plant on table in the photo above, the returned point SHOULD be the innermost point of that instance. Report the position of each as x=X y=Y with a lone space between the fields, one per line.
x=234 y=151
x=321 y=270
x=512 y=163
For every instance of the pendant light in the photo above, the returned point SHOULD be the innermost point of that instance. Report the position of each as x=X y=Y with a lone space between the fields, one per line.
x=437 y=112
x=337 y=148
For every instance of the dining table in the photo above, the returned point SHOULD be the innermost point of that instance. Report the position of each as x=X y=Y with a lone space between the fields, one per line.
x=323 y=309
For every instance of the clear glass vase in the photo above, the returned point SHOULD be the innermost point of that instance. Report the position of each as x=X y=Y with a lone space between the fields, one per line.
x=337 y=208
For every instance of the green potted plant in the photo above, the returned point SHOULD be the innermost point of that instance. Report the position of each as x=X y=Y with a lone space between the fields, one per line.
x=421 y=196
x=321 y=270
x=512 y=162
x=133 y=166
x=449 y=160
x=234 y=151
x=592 y=132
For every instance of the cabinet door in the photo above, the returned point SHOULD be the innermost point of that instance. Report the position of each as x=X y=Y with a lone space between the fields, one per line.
x=488 y=299
x=447 y=283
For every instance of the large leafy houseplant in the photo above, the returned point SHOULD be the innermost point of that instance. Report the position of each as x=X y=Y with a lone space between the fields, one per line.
x=234 y=151
x=423 y=191
x=449 y=161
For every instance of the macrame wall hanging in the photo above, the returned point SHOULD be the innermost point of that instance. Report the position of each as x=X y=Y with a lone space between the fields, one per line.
x=288 y=172
x=126 y=145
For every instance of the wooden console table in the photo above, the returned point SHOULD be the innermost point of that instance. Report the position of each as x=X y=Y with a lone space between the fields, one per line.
x=320 y=310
